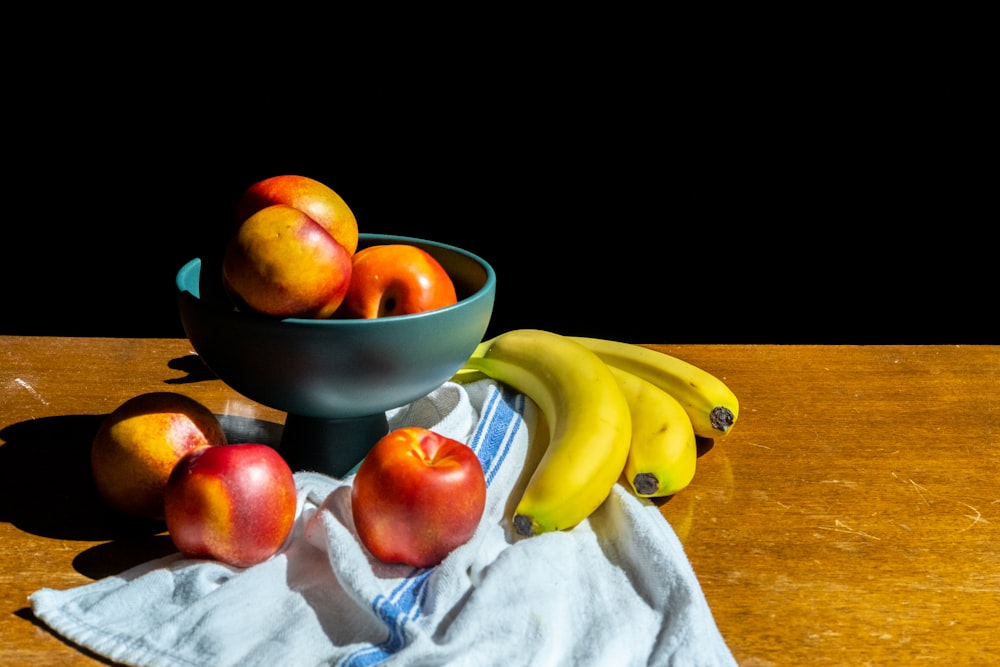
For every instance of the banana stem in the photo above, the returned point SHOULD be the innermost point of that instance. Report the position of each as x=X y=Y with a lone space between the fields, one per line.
x=470 y=372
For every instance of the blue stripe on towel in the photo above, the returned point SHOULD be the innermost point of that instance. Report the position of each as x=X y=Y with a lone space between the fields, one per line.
x=498 y=424
x=496 y=430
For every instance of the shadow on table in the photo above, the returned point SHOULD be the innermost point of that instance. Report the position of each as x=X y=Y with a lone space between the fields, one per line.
x=47 y=489
x=195 y=368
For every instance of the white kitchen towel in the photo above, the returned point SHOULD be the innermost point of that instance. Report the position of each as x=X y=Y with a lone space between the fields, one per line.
x=617 y=589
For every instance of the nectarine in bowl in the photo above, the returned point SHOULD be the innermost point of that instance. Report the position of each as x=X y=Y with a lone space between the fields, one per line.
x=336 y=377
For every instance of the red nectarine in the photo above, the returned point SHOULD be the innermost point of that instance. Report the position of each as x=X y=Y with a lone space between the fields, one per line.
x=396 y=279
x=235 y=504
x=417 y=496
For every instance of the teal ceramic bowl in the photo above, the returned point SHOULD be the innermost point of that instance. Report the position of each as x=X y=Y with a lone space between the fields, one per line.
x=334 y=378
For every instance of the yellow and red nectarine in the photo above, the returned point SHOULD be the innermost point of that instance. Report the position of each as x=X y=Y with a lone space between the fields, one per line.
x=281 y=262
x=312 y=197
x=138 y=444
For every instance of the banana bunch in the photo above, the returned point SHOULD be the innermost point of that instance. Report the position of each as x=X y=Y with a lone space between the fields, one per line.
x=611 y=407
x=588 y=418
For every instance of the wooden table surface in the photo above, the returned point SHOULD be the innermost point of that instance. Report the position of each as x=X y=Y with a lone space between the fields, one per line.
x=851 y=518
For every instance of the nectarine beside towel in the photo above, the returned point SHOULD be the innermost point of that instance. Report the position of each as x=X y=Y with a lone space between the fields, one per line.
x=616 y=590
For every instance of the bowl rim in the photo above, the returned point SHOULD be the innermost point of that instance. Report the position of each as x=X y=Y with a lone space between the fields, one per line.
x=489 y=285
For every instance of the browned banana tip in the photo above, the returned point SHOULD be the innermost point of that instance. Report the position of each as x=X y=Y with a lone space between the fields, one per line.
x=522 y=525
x=722 y=418
x=645 y=483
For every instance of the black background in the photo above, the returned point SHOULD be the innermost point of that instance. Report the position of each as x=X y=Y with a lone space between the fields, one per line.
x=637 y=177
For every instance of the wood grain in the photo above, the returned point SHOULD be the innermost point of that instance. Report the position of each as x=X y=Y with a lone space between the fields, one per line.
x=851 y=517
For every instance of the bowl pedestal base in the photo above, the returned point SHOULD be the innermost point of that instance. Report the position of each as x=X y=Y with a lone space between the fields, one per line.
x=330 y=446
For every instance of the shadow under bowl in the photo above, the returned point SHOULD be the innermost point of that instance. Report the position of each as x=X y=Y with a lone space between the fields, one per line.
x=336 y=378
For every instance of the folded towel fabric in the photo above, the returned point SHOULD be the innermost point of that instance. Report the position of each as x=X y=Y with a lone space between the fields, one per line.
x=615 y=590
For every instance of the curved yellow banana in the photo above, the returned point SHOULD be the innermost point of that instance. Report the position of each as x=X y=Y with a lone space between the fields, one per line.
x=663 y=453
x=712 y=407
x=588 y=417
